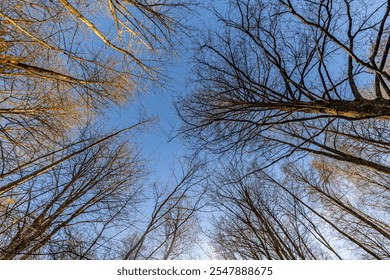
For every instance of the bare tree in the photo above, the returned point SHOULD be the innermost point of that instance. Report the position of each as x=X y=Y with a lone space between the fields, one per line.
x=305 y=81
x=64 y=184
x=62 y=62
x=73 y=204
x=306 y=214
x=172 y=230
x=285 y=76
x=259 y=220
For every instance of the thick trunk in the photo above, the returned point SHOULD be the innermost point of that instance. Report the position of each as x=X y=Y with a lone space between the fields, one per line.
x=355 y=109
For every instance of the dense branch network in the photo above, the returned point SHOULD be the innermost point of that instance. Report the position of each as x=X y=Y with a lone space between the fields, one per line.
x=296 y=95
x=287 y=73
x=69 y=188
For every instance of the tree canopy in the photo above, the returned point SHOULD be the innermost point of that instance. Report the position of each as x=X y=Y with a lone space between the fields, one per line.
x=296 y=95
x=286 y=113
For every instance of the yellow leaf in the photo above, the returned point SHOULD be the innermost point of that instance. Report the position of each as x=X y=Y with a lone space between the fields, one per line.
x=11 y=201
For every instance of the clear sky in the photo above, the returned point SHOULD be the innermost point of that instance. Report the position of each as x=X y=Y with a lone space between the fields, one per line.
x=161 y=153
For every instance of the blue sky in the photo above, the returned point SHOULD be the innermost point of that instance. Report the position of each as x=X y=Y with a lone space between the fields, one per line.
x=161 y=154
